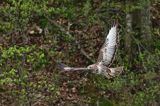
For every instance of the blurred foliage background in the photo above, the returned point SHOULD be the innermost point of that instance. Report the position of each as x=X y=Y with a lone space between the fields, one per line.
x=35 y=34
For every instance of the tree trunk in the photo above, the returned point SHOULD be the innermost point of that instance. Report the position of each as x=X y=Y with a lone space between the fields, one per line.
x=128 y=37
x=146 y=22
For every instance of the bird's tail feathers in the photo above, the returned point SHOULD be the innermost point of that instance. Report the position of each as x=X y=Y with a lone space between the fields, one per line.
x=113 y=72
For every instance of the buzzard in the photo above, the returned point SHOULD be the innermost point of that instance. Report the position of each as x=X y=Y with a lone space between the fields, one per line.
x=105 y=58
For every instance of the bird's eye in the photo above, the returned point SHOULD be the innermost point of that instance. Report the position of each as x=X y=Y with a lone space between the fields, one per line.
x=89 y=67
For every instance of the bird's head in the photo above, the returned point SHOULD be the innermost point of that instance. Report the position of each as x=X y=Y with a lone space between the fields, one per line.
x=93 y=66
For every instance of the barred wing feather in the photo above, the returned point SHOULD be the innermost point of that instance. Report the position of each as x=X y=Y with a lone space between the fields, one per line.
x=108 y=49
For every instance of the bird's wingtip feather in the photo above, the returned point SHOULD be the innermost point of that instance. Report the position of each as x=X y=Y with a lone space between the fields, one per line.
x=115 y=23
x=61 y=66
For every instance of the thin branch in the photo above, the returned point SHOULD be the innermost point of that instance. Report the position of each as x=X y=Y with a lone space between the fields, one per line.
x=57 y=25
x=84 y=53
x=67 y=33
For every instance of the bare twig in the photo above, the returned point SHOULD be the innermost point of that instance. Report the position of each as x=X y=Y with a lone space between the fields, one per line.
x=84 y=53
x=67 y=33
x=57 y=25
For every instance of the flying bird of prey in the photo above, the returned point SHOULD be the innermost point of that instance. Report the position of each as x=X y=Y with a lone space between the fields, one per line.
x=105 y=58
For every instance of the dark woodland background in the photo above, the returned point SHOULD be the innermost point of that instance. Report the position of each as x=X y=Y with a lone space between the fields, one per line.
x=35 y=34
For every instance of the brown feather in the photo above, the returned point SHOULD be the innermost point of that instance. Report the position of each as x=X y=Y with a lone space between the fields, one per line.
x=100 y=56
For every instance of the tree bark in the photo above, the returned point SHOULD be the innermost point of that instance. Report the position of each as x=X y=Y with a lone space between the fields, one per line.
x=128 y=37
x=146 y=22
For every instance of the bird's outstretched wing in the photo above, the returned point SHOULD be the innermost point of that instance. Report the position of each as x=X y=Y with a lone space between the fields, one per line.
x=65 y=68
x=108 y=50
